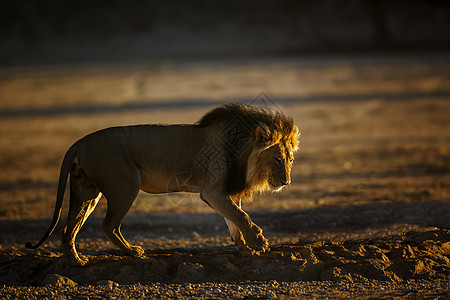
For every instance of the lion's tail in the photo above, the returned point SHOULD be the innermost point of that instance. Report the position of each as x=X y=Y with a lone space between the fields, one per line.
x=64 y=173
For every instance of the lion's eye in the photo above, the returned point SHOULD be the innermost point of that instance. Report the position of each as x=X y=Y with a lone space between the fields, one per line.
x=278 y=160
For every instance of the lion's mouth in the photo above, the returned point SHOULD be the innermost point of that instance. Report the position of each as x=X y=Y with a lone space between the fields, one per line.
x=276 y=188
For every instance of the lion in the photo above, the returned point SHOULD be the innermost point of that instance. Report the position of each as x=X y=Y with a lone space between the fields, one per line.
x=231 y=153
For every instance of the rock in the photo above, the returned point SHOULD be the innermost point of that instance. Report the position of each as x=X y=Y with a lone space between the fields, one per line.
x=129 y=274
x=424 y=267
x=58 y=281
x=109 y=283
x=155 y=270
x=220 y=260
x=253 y=271
x=331 y=274
x=431 y=234
x=190 y=271
x=229 y=267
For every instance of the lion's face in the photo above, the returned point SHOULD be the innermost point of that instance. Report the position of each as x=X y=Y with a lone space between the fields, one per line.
x=279 y=159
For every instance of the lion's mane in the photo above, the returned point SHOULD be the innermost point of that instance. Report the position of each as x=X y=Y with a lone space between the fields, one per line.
x=246 y=132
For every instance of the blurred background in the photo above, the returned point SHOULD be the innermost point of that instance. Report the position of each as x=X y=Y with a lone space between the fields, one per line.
x=52 y=31
x=367 y=82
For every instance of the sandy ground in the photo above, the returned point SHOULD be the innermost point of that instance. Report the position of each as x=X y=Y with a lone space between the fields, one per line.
x=367 y=214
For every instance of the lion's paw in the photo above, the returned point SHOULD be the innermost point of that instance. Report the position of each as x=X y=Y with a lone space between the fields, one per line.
x=136 y=251
x=73 y=261
x=257 y=241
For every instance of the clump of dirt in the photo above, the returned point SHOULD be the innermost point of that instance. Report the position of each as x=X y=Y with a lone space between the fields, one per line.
x=412 y=255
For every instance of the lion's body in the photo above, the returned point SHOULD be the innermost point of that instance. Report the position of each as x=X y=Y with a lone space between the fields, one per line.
x=232 y=152
x=156 y=152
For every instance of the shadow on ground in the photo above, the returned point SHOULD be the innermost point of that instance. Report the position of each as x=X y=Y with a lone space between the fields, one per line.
x=326 y=218
x=413 y=255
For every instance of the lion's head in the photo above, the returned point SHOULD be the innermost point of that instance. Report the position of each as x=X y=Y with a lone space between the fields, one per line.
x=270 y=161
x=272 y=168
x=261 y=144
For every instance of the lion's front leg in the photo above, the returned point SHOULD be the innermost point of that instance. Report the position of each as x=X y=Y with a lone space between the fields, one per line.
x=222 y=204
x=236 y=234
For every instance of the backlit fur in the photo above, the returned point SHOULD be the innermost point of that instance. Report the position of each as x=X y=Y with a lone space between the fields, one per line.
x=268 y=133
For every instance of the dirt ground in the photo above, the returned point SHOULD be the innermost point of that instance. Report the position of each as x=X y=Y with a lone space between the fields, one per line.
x=367 y=214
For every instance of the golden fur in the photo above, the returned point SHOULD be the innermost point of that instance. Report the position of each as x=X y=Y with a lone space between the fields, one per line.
x=264 y=129
x=232 y=152
x=256 y=181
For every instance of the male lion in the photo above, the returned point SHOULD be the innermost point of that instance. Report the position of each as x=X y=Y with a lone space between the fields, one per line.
x=230 y=153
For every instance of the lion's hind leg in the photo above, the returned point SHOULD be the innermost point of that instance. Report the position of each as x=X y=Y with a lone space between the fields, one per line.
x=111 y=227
x=83 y=200
x=119 y=199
